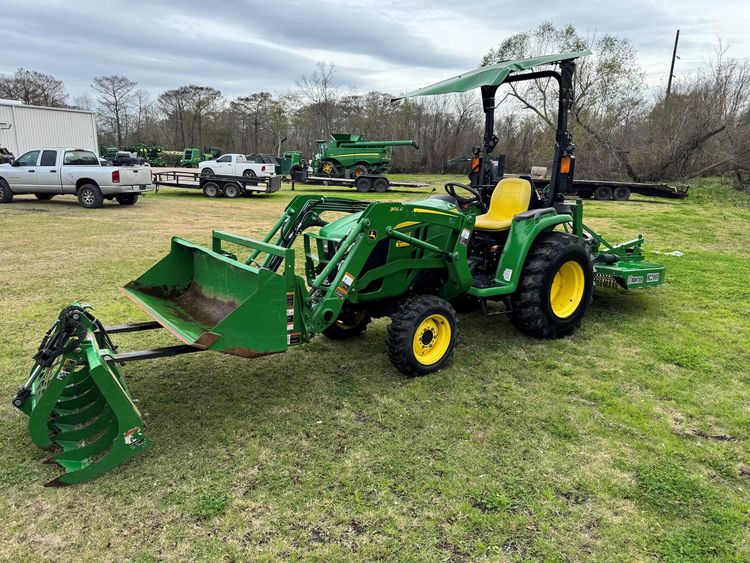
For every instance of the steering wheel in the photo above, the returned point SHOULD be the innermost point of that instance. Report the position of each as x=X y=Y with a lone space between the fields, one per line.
x=450 y=188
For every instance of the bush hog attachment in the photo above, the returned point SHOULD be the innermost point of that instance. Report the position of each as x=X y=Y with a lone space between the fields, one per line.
x=488 y=240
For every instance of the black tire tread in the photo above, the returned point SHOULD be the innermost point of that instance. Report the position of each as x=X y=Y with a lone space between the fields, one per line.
x=398 y=342
x=6 y=194
x=527 y=309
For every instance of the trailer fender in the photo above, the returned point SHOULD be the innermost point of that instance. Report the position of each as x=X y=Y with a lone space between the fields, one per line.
x=524 y=230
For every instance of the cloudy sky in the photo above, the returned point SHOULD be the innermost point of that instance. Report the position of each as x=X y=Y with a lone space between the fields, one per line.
x=243 y=46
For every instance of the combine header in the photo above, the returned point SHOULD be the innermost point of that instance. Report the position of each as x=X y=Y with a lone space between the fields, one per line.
x=489 y=240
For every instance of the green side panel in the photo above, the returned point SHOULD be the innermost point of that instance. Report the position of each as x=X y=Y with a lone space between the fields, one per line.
x=214 y=302
x=636 y=274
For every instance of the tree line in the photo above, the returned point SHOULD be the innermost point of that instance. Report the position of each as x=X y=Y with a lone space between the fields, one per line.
x=622 y=128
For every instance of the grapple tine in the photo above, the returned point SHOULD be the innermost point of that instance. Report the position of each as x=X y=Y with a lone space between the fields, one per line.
x=78 y=403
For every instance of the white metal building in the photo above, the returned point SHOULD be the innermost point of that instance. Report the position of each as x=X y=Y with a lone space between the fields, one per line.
x=23 y=128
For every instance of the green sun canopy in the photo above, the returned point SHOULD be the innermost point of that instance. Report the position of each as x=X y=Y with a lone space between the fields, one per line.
x=491 y=75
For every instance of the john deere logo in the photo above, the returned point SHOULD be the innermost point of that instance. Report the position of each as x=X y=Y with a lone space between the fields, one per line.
x=372 y=235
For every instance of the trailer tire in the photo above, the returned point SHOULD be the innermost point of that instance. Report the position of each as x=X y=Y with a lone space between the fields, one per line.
x=348 y=325
x=211 y=189
x=232 y=190
x=127 y=199
x=602 y=193
x=555 y=286
x=44 y=197
x=363 y=184
x=207 y=172
x=621 y=193
x=422 y=335
x=6 y=194
x=90 y=196
x=380 y=185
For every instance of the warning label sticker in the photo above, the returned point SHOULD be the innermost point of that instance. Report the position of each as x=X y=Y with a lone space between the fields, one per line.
x=464 y=238
x=346 y=283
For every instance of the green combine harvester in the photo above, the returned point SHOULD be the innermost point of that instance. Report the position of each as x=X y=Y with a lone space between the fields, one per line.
x=480 y=242
x=350 y=156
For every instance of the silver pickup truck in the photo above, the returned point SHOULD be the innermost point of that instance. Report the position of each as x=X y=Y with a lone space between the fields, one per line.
x=66 y=171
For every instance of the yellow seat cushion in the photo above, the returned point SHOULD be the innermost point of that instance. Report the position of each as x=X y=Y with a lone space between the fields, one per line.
x=510 y=197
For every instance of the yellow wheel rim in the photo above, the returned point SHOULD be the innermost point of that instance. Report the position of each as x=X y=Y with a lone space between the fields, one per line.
x=358 y=172
x=431 y=340
x=567 y=289
x=327 y=167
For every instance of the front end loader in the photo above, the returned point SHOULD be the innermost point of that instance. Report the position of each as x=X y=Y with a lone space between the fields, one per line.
x=489 y=240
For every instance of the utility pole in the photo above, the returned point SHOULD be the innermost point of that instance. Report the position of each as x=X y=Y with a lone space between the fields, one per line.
x=671 y=68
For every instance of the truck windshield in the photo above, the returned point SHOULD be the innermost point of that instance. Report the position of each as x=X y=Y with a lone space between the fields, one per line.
x=81 y=158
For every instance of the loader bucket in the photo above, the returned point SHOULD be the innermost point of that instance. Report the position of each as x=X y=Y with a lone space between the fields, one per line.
x=77 y=401
x=214 y=302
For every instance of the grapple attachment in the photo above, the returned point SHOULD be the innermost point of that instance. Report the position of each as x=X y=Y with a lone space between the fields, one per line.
x=77 y=401
x=213 y=301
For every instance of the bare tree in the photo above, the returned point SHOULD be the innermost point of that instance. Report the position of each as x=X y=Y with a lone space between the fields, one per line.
x=34 y=88
x=115 y=97
x=319 y=90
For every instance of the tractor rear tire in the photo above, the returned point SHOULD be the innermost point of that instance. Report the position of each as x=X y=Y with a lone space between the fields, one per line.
x=211 y=189
x=555 y=286
x=348 y=325
x=44 y=197
x=422 y=335
x=127 y=199
x=6 y=195
x=621 y=193
x=90 y=196
x=602 y=193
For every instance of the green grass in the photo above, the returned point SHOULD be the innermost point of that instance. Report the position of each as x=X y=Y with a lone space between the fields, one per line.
x=626 y=441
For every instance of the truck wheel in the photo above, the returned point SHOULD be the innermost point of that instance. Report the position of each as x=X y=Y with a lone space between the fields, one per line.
x=90 y=196
x=328 y=168
x=359 y=170
x=127 y=199
x=380 y=185
x=207 y=172
x=555 y=286
x=6 y=195
x=211 y=189
x=44 y=197
x=621 y=193
x=232 y=190
x=603 y=193
x=348 y=325
x=422 y=335
x=363 y=185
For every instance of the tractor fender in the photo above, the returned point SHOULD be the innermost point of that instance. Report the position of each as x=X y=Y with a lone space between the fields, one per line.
x=524 y=230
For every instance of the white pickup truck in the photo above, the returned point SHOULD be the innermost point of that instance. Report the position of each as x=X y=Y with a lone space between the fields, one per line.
x=236 y=165
x=66 y=171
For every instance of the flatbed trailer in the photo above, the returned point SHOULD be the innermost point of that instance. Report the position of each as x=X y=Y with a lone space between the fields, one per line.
x=216 y=185
x=364 y=183
x=618 y=191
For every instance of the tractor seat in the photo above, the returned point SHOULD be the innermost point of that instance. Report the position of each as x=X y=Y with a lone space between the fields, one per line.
x=510 y=197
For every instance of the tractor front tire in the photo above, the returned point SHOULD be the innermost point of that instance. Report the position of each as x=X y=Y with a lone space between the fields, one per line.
x=555 y=286
x=348 y=325
x=6 y=195
x=422 y=335
x=90 y=196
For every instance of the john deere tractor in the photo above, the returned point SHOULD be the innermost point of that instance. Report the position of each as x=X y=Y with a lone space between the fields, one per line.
x=483 y=241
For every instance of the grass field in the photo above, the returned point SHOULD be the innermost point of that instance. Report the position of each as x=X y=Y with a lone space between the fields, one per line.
x=626 y=441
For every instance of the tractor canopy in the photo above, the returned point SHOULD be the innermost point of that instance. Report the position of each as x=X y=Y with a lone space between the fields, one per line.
x=491 y=75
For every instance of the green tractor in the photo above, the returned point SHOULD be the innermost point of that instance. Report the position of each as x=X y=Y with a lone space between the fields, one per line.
x=481 y=242
x=288 y=164
x=191 y=158
x=350 y=156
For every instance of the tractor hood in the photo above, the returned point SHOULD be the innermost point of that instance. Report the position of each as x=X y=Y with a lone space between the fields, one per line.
x=492 y=75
